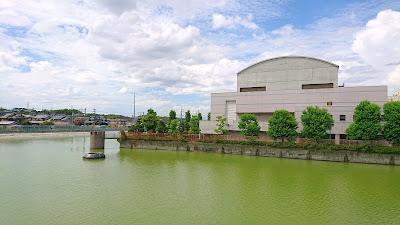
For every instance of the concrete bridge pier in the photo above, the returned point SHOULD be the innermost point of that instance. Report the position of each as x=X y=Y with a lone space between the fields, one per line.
x=97 y=139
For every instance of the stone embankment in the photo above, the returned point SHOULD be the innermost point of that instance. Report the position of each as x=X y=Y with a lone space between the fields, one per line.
x=321 y=155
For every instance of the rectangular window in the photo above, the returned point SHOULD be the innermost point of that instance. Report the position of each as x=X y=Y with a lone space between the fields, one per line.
x=317 y=86
x=250 y=89
x=343 y=136
x=342 y=117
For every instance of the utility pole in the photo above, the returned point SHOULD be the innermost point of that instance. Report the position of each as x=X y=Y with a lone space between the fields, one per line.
x=84 y=121
x=72 y=118
x=134 y=105
x=94 y=116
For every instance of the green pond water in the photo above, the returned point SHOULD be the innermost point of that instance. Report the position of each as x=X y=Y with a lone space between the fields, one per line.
x=46 y=181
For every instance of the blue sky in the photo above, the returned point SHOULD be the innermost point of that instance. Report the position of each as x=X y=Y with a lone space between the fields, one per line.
x=173 y=54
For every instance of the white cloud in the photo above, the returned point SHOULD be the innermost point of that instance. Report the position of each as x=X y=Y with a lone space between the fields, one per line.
x=10 y=60
x=379 y=42
x=95 y=54
x=221 y=21
x=123 y=90
x=82 y=54
x=394 y=76
x=40 y=66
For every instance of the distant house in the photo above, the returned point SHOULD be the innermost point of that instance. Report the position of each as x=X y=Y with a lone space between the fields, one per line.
x=43 y=117
x=19 y=118
x=15 y=118
x=117 y=122
x=7 y=117
x=38 y=119
x=36 y=122
x=57 y=118
x=97 y=120
x=67 y=119
x=5 y=123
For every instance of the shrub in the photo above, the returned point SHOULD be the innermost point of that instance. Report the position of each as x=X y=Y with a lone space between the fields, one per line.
x=26 y=122
x=182 y=139
x=47 y=123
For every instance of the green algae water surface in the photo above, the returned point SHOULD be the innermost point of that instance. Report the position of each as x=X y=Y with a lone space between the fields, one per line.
x=46 y=181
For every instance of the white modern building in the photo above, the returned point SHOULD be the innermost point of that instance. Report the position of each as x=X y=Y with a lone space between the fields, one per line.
x=395 y=97
x=291 y=83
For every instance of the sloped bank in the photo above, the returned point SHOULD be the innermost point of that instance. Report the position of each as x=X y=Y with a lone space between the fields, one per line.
x=321 y=155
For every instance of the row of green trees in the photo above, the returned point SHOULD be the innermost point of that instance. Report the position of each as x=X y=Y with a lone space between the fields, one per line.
x=367 y=122
x=152 y=122
x=317 y=122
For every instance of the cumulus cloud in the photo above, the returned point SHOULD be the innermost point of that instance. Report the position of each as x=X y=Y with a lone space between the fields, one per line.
x=10 y=60
x=95 y=54
x=394 y=76
x=221 y=21
x=378 y=44
x=82 y=54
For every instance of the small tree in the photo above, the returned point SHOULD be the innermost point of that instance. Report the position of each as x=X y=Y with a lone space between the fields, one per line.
x=150 y=120
x=186 y=126
x=181 y=126
x=366 y=125
x=26 y=122
x=173 y=126
x=282 y=125
x=172 y=116
x=137 y=127
x=209 y=116
x=391 y=129
x=47 y=123
x=316 y=122
x=194 y=125
x=220 y=125
x=248 y=125
x=161 y=127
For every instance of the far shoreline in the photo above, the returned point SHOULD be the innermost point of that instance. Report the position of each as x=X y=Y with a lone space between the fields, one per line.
x=41 y=135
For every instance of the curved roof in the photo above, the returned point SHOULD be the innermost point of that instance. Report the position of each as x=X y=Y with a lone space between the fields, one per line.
x=282 y=57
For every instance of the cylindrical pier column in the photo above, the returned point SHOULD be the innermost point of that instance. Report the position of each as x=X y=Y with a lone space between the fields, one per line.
x=97 y=139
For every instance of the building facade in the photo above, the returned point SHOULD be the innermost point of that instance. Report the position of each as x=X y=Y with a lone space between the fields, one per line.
x=291 y=83
x=395 y=97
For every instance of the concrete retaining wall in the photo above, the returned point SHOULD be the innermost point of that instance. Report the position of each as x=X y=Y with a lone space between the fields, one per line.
x=337 y=156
